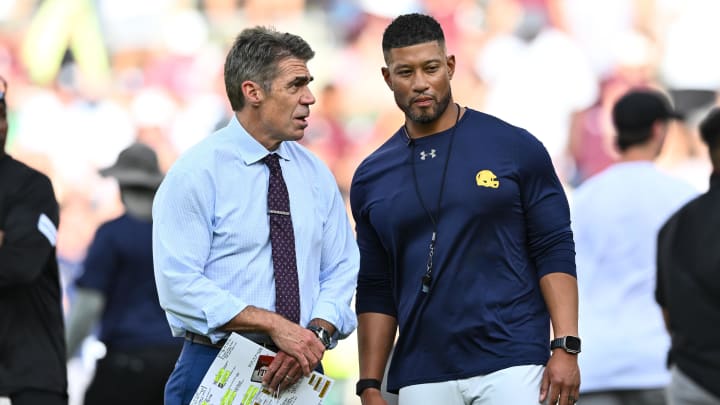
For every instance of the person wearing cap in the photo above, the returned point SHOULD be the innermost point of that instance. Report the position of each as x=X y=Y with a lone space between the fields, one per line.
x=688 y=286
x=32 y=341
x=117 y=292
x=616 y=215
x=250 y=231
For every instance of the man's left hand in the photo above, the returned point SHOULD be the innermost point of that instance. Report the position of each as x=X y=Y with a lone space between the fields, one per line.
x=284 y=371
x=561 y=379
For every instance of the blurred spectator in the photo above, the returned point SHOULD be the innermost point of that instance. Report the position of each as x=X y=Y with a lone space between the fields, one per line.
x=527 y=86
x=154 y=111
x=32 y=345
x=591 y=143
x=600 y=28
x=692 y=76
x=688 y=287
x=58 y=26
x=326 y=135
x=616 y=215
x=67 y=120
x=117 y=289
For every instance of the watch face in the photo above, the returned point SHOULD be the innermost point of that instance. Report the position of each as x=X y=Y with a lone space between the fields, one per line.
x=572 y=343
x=322 y=334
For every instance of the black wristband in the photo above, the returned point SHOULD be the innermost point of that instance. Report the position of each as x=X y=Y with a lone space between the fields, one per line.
x=366 y=383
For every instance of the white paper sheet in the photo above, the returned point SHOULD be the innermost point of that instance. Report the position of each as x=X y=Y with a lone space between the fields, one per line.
x=235 y=378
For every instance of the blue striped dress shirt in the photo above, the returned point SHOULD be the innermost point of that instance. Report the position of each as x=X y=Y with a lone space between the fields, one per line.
x=211 y=237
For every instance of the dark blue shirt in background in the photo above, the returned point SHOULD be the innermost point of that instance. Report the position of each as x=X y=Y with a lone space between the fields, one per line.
x=119 y=264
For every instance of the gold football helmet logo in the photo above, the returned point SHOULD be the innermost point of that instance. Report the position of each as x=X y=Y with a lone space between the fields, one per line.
x=486 y=178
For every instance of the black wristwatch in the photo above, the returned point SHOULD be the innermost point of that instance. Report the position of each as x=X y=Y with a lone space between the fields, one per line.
x=366 y=383
x=323 y=335
x=570 y=344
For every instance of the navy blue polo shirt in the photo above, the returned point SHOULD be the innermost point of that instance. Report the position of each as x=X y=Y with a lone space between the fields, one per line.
x=119 y=264
x=503 y=223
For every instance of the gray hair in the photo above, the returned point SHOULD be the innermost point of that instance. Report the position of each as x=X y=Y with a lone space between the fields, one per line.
x=255 y=56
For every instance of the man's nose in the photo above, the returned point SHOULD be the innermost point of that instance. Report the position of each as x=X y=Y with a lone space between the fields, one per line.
x=307 y=98
x=420 y=83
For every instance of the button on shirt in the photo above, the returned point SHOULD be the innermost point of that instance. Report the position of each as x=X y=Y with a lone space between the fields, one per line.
x=211 y=244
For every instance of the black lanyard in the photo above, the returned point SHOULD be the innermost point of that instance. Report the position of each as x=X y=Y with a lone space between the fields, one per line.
x=427 y=278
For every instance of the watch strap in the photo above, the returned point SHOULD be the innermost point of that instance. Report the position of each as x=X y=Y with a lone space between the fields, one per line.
x=366 y=383
x=558 y=343
x=570 y=344
x=323 y=335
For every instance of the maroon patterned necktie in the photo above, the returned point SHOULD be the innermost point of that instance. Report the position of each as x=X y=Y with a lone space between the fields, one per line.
x=282 y=240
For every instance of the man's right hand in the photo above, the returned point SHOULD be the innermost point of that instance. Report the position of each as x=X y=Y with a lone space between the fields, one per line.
x=300 y=349
x=372 y=396
x=2 y=235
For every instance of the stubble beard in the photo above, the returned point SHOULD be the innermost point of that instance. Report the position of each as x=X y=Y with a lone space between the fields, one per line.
x=426 y=116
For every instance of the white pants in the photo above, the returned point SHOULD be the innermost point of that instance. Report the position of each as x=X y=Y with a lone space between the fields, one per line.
x=514 y=385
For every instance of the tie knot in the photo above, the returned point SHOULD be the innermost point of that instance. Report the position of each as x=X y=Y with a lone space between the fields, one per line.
x=272 y=161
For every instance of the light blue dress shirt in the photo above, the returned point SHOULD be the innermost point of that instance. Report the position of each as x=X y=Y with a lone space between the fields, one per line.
x=211 y=236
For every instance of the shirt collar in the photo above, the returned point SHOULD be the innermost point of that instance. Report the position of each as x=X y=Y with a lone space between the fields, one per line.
x=251 y=150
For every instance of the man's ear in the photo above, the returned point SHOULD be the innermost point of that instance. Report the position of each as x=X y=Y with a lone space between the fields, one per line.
x=386 y=75
x=451 y=66
x=252 y=92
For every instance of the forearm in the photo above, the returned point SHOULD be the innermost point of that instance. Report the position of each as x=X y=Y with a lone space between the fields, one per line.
x=86 y=310
x=561 y=298
x=254 y=319
x=376 y=335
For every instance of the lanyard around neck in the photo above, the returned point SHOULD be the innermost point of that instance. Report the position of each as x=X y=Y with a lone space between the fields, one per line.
x=434 y=219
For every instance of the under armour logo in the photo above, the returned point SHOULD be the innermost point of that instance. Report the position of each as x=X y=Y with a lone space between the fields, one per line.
x=424 y=155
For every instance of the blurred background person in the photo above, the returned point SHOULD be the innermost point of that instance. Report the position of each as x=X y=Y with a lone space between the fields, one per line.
x=117 y=290
x=688 y=286
x=616 y=215
x=32 y=344
x=525 y=84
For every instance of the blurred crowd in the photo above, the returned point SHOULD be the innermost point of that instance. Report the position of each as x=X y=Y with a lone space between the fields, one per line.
x=89 y=77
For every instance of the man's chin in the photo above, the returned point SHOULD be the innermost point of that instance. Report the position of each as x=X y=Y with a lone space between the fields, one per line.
x=422 y=115
x=423 y=118
x=296 y=136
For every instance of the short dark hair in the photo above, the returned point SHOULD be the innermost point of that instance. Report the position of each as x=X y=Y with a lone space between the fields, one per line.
x=635 y=112
x=627 y=138
x=255 y=56
x=710 y=129
x=411 y=29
